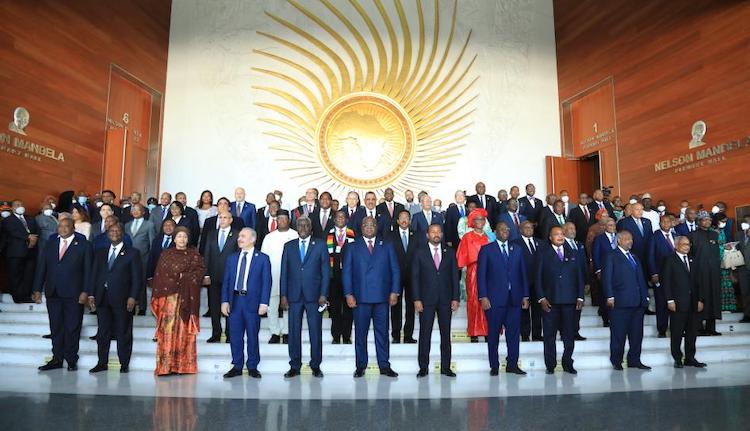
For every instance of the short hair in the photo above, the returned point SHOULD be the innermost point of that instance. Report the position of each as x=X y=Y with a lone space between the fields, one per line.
x=110 y=192
x=111 y=207
x=304 y=219
x=116 y=224
x=252 y=232
x=435 y=225
x=403 y=211
x=327 y=194
x=623 y=233
x=681 y=238
x=223 y=198
x=501 y=223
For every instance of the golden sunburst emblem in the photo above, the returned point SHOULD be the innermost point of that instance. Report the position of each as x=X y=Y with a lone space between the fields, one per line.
x=372 y=117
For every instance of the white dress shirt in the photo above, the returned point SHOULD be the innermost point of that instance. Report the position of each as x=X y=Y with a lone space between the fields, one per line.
x=247 y=268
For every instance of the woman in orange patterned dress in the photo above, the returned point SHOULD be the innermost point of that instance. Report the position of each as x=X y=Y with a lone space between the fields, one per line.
x=468 y=252
x=175 y=302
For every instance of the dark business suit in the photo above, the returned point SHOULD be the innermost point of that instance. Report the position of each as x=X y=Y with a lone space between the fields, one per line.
x=363 y=212
x=63 y=280
x=320 y=230
x=680 y=284
x=212 y=223
x=303 y=281
x=244 y=300
x=371 y=278
x=111 y=288
x=548 y=221
x=624 y=281
x=419 y=223
x=531 y=319
x=215 y=258
x=601 y=249
x=193 y=225
x=684 y=229
x=390 y=222
x=101 y=241
x=502 y=279
x=659 y=250
x=561 y=282
x=510 y=219
x=341 y=314
x=578 y=217
x=351 y=216
x=641 y=241
x=595 y=206
x=19 y=258
x=452 y=216
x=490 y=204
x=532 y=213
x=155 y=253
x=583 y=265
x=404 y=258
x=247 y=215
x=436 y=288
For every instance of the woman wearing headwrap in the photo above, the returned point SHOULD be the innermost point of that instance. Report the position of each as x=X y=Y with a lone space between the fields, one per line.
x=468 y=252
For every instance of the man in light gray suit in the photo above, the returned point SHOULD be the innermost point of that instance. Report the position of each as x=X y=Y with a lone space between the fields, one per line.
x=141 y=231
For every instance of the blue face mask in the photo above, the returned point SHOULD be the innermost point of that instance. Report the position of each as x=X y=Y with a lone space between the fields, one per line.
x=151 y=206
x=82 y=199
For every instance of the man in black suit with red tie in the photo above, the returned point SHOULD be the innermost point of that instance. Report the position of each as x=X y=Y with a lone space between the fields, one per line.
x=322 y=217
x=582 y=217
x=485 y=201
x=684 y=300
x=434 y=277
x=389 y=211
x=405 y=243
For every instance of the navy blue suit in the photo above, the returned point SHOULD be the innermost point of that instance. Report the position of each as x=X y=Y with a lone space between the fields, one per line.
x=419 y=222
x=63 y=280
x=155 y=253
x=561 y=282
x=504 y=282
x=371 y=279
x=303 y=282
x=532 y=213
x=658 y=252
x=248 y=214
x=243 y=312
x=382 y=223
x=601 y=249
x=507 y=217
x=531 y=319
x=683 y=229
x=102 y=241
x=452 y=216
x=641 y=242
x=626 y=283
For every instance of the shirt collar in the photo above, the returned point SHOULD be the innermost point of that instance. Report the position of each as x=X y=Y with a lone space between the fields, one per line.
x=682 y=255
x=625 y=252
x=501 y=243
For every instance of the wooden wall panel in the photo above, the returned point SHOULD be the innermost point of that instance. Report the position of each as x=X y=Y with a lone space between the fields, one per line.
x=56 y=59
x=672 y=63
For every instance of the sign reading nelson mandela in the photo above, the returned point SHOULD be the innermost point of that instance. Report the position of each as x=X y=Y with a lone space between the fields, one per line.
x=18 y=145
x=702 y=154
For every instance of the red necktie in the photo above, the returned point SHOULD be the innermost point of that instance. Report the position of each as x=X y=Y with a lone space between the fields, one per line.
x=273 y=225
x=515 y=219
x=436 y=259
x=369 y=246
x=586 y=212
x=63 y=249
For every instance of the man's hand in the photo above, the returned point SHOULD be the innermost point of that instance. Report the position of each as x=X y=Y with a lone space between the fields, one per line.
x=207 y=280
x=393 y=299
x=671 y=306
x=655 y=279
x=284 y=303
x=454 y=305
x=611 y=303
x=351 y=301
x=485 y=303
x=579 y=304
x=700 y=306
x=262 y=309
x=92 y=303
x=322 y=300
x=225 y=309
x=131 y=304
x=82 y=298
x=37 y=297
x=33 y=239
x=418 y=307
x=544 y=303
x=525 y=303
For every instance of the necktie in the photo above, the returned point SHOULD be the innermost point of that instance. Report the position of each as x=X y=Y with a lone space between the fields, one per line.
x=632 y=261
x=302 y=250
x=462 y=211
x=341 y=238
x=532 y=247
x=481 y=199
x=369 y=245
x=586 y=212
x=639 y=223
x=691 y=227
x=669 y=240
x=601 y=204
x=112 y=257
x=560 y=254
x=428 y=217
x=23 y=222
x=687 y=265
x=240 y=283
x=560 y=220
x=351 y=212
x=309 y=209
x=504 y=250
x=164 y=212
x=370 y=213
x=390 y=209
x=135 y=227
x=515 y=219
x=612 y=240
x=436 y=258
x=573 y=245
x=273 y=224
x=63 y=249
x=323 y=218
x=239 y=208
x=222 y=240
x=165 y=244
x=404 y=240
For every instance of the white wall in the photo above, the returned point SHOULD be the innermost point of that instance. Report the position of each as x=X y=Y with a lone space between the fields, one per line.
x=212 y=139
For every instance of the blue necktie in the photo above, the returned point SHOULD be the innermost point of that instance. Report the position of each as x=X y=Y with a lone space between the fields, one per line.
x=632 y=261
x=302 y=250
x=165 y=244
x=222 y=240
x=239 y=285
x=112 y=257
x=404 y=241
x=640 y=225
x=505 y=252
x=462 y=211
x=613 y=242
x=573 y=245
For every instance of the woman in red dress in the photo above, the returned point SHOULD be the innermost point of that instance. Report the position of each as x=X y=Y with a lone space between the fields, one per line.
x=175 y=302
x=468 y=252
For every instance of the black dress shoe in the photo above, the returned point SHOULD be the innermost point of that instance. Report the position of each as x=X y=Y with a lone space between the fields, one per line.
x=388 y=372
x=51 y=365
x=714 y=333
x=214 y=339
x=580 y=337
x=570 y=370
x=359 y=372
x=493 y=371
x=98 y=368
x=336 y=342
x=649 y=312
x=605 y=324
x=515 y=370
x=745 y=320
x=275 y=339
x=207 y=314
x=550 y=371
x=254 y=373
x=234 y=372
x=47 y=336
x=448 y=373
x=677 y=364
x=72 y=367
x=291 y=373
x=662 y=335
x=285 y=339
x=695 y=363
x=395 y=341
x=410 y=340
x=422 y=372
x=537 y=339
x=525 y=338
x=640 y=366
x=474 y=339
x=317 y=373
x=227 y=340
x=93 y=337
x=124 y=369
x=141 y=312
x=617 y=367
x=347 y=341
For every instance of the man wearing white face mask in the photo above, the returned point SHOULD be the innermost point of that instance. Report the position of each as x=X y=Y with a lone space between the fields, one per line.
x=565 y=198
x=21 y=235
x=47 y=224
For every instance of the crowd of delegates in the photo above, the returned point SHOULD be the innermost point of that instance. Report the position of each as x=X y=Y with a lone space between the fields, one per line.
x=522 y=266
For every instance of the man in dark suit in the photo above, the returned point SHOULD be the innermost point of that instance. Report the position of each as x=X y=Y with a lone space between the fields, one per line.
x=20 y=236
x=627 y=298
x=512 y=218
x=502 y=202
x=241 y=209
x=579 y=250
x=503 y=289
x=102 y=241
x=601 y=249
x=266 y=224
x=108 y=198
x=245 y=294
x=662 y=246
x=598 y=203
x=581 y=216
x=220 y=244
x=531 y=319
x=304 y=289
x=142 y=234
x=434 y=275
x=389 y=211
x=421 y=220
x=554 y=218
x=322 y=217
x=341 y=315
x=369 y=210
x=351 y=209
x=162 y=241
x=62 y=272
x=678 y=276
x=530 y=206
x=452 y=215
x=99 y=227
x=372 y=283
x=192 y=215
x=559 y=286
x=485 y=201
x=641 y=231
x=116 y=281
x=212 y=223
x=161 y=212
x=547 y=211
x=404 y=243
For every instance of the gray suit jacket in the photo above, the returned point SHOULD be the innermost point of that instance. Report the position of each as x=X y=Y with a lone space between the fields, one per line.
x=143 y=238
